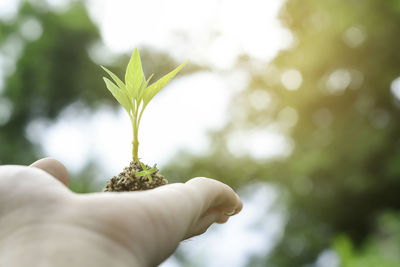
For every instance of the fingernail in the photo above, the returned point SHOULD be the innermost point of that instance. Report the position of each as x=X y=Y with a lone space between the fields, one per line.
x=229 y=213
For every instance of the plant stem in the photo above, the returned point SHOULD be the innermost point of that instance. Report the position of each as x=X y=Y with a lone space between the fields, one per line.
x=135 y=148
x=135 y=142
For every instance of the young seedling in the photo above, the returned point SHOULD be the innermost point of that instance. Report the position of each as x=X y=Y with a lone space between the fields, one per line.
x=134 y=95
x=146 y=172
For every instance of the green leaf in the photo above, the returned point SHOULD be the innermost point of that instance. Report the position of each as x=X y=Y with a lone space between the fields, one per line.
x=149 y=177
x=120 y=95
x=139 y=94
x=151 y=76
x=146 y=172
x=134 y=77
x=156 y=87
x=115 y=78
x=143 y=166
x=142 y=89
x=152 y=170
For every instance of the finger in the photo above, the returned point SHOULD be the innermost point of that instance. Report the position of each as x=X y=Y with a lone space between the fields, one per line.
x=54 y=168
x=216 y=195
x=219 y=203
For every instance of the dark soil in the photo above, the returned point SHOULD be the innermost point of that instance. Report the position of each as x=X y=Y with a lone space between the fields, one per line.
x=128 y=181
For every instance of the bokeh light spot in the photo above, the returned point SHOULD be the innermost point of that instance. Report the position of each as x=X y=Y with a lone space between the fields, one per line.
x=1 y=77
x=288 y=116
x=395 y=88
x=354 y=36
x=292 y=79
x=31 y=29
x=260 y=99
x=328 y=258
x=338 y=81
x=10 y=52
x=6 y=108
x=12 y=46
x=8 y=9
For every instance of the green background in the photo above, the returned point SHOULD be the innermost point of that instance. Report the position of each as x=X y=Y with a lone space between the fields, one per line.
x=341 y=183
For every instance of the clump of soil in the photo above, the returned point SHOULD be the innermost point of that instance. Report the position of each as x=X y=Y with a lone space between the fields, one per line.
x=129 y=181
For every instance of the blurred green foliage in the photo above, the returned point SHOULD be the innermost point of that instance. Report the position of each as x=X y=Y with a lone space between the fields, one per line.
x=51 y=73
x=344 y=169
x=343 y=176
x=347 y=138
x=348 y=132
x=381 y=249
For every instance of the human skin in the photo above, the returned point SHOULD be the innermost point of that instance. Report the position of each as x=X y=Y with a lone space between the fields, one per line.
x=43 y=223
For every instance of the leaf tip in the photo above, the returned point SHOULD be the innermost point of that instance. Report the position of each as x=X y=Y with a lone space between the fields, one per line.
x=104 y=68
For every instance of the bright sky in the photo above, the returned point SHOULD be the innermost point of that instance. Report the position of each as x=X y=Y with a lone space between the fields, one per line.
x=209 y=32
x=212 y=32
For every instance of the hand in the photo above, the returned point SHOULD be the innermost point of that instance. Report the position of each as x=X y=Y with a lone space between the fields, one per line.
x=43 y=223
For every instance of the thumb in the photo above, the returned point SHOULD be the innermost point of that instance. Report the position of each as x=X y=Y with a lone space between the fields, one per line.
x=54 y=168
x=219 y=202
